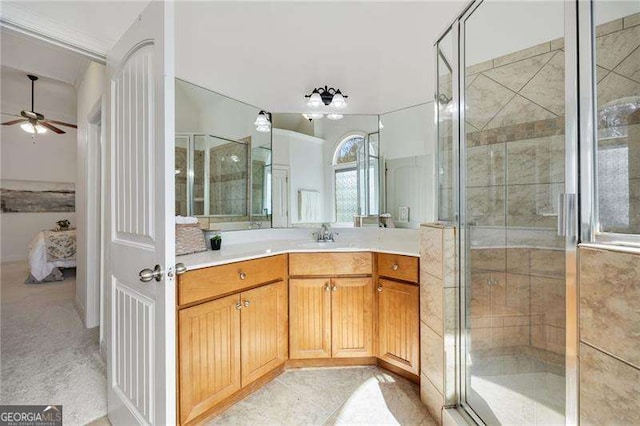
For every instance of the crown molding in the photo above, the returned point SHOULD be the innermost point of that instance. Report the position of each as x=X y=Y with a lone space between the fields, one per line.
x=17 y=18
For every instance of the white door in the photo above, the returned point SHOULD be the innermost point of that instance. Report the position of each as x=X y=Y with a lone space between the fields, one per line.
x=280 y=197
x=140 y=234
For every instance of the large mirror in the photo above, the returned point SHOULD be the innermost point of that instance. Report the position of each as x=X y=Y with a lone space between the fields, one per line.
x=223 y=163
x=407 y=148
x=326 y=171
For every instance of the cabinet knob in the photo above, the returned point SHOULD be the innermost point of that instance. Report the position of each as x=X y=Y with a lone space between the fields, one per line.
x=380 y=288
x=327 y=287
x=395 y=267
x=243 y=275
x=246 y=303
x=334 y=288
x=238 y=306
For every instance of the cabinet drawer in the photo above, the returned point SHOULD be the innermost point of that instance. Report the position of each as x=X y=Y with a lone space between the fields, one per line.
x=325 y=264
x=400 y=267
x=216 y=281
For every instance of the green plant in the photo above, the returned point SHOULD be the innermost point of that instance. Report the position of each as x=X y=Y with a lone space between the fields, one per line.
x=217 y=237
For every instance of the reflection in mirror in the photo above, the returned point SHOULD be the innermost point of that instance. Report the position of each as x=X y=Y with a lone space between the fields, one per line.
x=325 y=170
x=223 y=163
x=408 y=153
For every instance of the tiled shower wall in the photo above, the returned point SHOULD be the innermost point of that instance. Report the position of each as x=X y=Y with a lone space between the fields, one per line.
x=609 y=318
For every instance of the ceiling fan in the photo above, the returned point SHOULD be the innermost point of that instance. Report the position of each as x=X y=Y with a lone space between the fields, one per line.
x=34 y=122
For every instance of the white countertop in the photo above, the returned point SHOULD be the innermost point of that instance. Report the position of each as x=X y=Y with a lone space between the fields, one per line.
x=245 y=245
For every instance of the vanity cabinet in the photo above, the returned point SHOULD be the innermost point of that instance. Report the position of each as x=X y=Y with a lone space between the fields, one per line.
x=398 y=296
x=331 y=305
x=230 y=342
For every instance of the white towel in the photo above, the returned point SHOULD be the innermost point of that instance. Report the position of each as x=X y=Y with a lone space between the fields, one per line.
x=186 y=220
x=309 y=205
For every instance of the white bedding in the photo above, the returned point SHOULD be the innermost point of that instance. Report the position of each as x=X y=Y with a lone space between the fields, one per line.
x=40 y=268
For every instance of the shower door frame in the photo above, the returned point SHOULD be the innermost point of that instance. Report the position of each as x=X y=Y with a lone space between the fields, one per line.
x=578 y=168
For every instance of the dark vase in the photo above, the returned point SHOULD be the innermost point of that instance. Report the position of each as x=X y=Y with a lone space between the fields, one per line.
x=216 y=243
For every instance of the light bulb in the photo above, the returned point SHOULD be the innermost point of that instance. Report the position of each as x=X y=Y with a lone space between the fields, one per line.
x=338 y=101
x=334 y=116
x=262 y=120
x=315 y=100
x=31 y=128
x=313 y=116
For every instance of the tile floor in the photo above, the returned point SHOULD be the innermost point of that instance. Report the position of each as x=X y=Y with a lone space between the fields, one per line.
x=327 y=396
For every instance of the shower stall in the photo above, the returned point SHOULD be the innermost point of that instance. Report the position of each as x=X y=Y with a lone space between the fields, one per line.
x=507 y=97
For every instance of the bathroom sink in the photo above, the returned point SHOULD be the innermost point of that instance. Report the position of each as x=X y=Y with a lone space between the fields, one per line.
x=325 y=245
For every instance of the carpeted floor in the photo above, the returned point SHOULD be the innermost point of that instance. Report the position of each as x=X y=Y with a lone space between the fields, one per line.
x=46 y=354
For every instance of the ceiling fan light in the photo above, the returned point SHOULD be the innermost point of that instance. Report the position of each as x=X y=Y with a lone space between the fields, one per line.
x=334 y=116
x=28 y=127
x=315 y=100
x=41 y=129
x=338 y=101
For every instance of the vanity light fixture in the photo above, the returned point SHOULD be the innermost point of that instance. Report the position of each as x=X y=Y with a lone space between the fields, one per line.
x=380 y=125
x=313 y=116
x=263 y=122
x=327 y=96
x=334 y=116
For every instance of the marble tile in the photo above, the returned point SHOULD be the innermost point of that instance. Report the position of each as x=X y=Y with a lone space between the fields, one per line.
x=609 y=390
x=630 y=66
x=516 y=74
x=533 y=205
x=518 y=260
x=275 y=403
x=433 y=399
x=327 y=388
x=486 y=206
x=449 y=257
x=608 y=27
x=548 y=299
x=612 y=48
x=548 y=263
x=432 y=357
x=522 y=54
x=486 y=165
x=517 y=111
x=609 y=300
x=431 y=300
x=557 y=44
x=479 y=67
x=632 y=20
x=485 y=98
x=547 y=87
x=539 y=160
x=614 y=86
x=431 y=250
x=491 y=259
x=450 y=313
x=517 y=298
x=601 y=73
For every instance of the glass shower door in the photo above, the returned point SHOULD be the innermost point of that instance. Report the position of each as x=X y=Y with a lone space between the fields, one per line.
x=512 y=150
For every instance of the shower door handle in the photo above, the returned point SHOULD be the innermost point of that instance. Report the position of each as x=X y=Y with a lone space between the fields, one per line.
x=566 y=213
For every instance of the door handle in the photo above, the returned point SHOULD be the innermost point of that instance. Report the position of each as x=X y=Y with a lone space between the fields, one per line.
x=180 y=268
x=327 y=287
x=380 y=288
x=147 y=275
x=334 y=288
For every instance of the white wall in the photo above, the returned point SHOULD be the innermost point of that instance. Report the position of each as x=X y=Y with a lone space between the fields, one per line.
x=408 y=145
x=304 y=156
x=49 y=157
x=88 y=195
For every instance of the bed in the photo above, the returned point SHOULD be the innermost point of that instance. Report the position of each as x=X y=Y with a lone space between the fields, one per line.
x=50 y=251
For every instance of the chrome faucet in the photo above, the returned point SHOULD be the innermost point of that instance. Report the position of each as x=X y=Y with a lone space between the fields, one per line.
x=324 y=235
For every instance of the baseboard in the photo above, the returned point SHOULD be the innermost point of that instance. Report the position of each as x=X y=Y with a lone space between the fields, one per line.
x=80 y=310
x=329 y=362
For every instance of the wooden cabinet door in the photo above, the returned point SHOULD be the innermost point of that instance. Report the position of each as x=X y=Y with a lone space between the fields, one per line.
x=398 y=324
x=352 y=317
x=310 y=318
x=209 y=355
x=264 y=328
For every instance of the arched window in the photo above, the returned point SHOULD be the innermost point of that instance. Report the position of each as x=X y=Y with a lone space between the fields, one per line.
x=350 y=176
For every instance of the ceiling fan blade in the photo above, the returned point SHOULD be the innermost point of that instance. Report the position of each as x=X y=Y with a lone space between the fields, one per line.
x=52 y=127
x=62 y=123
x=9 y=123
x=9 y=113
